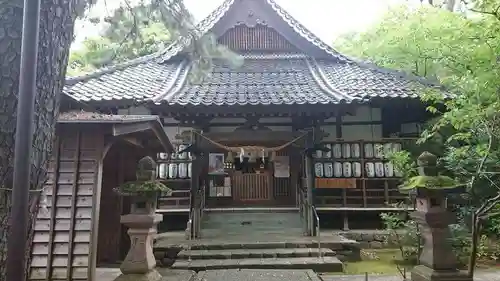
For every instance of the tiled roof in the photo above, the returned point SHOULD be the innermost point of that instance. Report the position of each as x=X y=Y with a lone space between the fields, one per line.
x=278 y=78
x=209 y=22
x=90 y=117
x=258 y=81
x=365 y=81
x=262 y=79
x=138 y=82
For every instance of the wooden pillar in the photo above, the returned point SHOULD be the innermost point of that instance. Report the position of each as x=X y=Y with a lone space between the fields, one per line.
x=195 y=198
x=345 y=217
x=309 y=163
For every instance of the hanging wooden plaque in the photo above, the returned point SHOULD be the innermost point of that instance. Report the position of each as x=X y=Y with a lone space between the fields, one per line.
x=335 y=183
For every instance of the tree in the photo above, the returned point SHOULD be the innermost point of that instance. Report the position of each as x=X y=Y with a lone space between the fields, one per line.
x=129 y=33
x=135 y=31
x=461 y=53
x=56 y=33
x=57 y=20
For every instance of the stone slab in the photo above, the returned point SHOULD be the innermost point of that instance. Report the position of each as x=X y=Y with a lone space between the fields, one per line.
x=258 y=275
x=111 y=274
x=327 y=264
x=424 y=273
x=254 y=253
x=479 y=276
x=262 y=240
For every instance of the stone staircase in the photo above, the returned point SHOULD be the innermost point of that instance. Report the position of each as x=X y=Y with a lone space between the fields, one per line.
x=256 y=240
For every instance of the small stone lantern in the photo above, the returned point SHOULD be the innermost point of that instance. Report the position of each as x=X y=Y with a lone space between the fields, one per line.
x=437 y=261
x=145 y=202
x=139 y=264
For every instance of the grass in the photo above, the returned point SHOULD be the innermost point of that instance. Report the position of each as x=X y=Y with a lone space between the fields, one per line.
x=375 y=262
x=380 y=262
x=385 y=262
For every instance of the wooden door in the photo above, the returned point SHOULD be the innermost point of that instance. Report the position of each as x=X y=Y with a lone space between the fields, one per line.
x=252 y=187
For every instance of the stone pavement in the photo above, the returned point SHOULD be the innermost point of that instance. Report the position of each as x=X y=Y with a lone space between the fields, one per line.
x=480 y=276
x=109 y=274
x=257 y=275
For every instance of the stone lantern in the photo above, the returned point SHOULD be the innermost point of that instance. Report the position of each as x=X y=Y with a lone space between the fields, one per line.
x=139 y=264
x=437 y=260
x=144 y=202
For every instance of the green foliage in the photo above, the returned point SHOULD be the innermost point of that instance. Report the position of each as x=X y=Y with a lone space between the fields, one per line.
x=488 y=248
x=461 y=53
x=429 y=182
x=404 y=161
x=130 y=33
x=146 y=188
x=405 y=233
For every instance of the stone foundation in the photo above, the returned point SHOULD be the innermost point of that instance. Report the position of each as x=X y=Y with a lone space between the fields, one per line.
x=166 y=256
x=371 y=239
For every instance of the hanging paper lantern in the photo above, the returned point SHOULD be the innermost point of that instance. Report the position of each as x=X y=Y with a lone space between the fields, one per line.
x=230 y=157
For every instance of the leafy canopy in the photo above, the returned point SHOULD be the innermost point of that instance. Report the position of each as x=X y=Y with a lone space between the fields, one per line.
x=145 y=28
x=461 y=53
x=129 y=33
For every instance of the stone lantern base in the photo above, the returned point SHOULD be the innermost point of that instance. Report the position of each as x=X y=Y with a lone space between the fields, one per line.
x=139 y=264
x=152 y=275
x=424 y=273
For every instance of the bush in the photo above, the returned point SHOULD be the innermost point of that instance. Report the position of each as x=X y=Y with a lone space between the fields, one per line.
x=406 y=234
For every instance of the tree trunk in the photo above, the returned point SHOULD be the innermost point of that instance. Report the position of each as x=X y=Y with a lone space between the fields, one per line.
x=476 y=235
x=57 y=19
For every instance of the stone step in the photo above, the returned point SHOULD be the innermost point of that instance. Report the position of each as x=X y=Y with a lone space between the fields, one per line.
x=256 y=245
x=254 y=253
x=326 y=264
x=254 y=233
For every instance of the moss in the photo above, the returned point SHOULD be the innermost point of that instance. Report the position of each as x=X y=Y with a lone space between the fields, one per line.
x=375 y=262
x=384 y=262
x=429 y=182
x=143 y=188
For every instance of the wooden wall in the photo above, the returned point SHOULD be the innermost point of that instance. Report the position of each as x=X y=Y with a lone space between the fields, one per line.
x=113 y=242
x=63 y=230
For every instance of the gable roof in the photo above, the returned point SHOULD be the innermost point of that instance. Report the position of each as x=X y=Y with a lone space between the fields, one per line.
x=320 y=75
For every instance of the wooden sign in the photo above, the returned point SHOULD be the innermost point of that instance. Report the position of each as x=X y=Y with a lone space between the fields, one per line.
x=335 y=183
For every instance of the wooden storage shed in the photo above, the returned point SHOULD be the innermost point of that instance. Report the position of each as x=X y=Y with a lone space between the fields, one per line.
x=78 y=224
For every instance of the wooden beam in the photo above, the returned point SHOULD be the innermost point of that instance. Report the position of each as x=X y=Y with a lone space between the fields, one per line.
x=133 y=141
x=74 y=199
x=162 y=136
x=102 y=150
x=121 y=129
x=260 y=110
x=53 y=209
x=253 y=136
x=274 y=124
